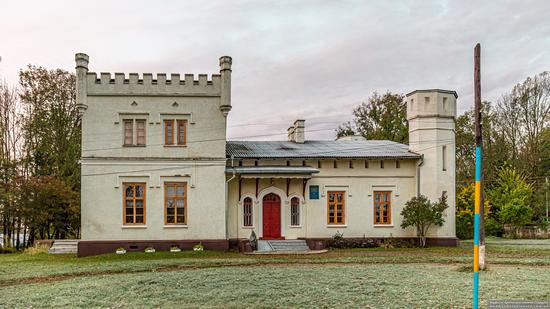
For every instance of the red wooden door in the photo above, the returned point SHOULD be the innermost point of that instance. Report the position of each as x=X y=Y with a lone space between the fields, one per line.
x=271 y=216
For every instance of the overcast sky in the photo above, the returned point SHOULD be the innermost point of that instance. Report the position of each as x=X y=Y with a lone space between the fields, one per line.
x=291 y=59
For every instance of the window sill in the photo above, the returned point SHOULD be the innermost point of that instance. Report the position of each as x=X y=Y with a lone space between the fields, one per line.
x=384 y=225
x=247 y=227
x=337 y=225
x=175 y=146
x=134 y=226
x=175 y=226
x=295 y=227
x=133 y=146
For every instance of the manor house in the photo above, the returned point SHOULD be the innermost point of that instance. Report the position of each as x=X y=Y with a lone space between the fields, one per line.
x=158 y=171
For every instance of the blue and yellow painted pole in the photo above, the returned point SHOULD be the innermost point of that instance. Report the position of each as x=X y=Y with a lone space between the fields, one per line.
x=478 y=184
x=476 y=228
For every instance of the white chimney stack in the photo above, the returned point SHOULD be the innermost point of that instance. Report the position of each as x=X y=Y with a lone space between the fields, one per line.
x=296 y=133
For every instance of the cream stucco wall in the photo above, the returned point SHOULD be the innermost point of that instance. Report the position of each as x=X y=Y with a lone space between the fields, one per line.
x=105 y=101
x=102 y=196
x=431 y=115
x=358 y=183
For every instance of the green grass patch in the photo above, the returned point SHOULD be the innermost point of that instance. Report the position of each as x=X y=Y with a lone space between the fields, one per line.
x=429 y=277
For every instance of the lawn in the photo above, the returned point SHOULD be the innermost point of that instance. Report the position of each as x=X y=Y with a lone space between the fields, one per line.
x=432 y=277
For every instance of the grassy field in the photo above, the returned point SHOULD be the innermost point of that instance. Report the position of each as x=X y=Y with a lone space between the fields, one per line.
x=377 y=278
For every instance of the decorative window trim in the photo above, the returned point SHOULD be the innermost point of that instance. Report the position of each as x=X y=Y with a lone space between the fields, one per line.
x=125 y=185
x=175 y=185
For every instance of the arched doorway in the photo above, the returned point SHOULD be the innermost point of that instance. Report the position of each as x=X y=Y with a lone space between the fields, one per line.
x=271 y=215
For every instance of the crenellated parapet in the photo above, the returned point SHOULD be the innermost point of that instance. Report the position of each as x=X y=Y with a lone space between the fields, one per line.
x=89 y=84
x=153 y=85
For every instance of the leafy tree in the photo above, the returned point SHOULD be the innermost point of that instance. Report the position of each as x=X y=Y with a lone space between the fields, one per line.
x=465 y=200
x=510 y=196
x=495 y=150
x=516 y=213
x=382 y=117
x=422 y=214
x=51 y=124
x=51 y=207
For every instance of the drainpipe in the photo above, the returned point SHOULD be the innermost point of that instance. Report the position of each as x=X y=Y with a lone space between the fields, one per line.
x=421 y=162
x=227 y=201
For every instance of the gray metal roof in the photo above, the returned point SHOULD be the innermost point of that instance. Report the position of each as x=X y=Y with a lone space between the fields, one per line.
x=272 y=170
x=319 y=149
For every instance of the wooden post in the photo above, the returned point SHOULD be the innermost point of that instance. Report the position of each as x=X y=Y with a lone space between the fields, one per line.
x=478 y=214
x=479 y=143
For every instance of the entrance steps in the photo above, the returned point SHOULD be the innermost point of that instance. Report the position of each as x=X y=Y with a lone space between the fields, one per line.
x=64 y=246
x=282 y=245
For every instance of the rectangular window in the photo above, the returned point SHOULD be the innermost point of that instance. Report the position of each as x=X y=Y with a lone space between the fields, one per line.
x=137 y=126
x=336 y=207
x=168 y=132
x=366 y=164
x=247 y=212
x=335 y=164
x=175 y=203
x=134 y=203
x=182 y=132
x=350 y=164
x=444 y=157
x=295 y=211
x=381 y=164
x=128 y=132
x=397 y=164
x=140 y=130
x=382 y=207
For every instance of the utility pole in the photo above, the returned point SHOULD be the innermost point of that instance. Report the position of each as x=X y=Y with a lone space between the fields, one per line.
x=479 y=143
x=479 y=243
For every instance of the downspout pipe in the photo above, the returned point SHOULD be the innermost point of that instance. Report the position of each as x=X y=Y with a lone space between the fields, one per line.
x=420 y=163
x=227 y=200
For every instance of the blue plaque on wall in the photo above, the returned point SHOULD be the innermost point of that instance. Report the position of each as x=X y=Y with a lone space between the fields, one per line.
x=313 y=192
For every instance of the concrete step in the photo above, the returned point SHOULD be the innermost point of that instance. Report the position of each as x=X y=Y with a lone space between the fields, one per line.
x=64 y=246
x=288 y=245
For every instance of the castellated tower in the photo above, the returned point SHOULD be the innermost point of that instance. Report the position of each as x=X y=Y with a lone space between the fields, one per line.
x=431 y=115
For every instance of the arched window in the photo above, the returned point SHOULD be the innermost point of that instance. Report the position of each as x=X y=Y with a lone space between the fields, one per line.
x=295 y=211
x=247 y=212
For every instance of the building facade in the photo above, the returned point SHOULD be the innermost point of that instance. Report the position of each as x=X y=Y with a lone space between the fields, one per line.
x=157 y=170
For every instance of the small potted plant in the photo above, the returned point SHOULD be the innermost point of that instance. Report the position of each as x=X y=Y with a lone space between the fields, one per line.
x=149 y=250
x=198 y=247
x=120 y=250
x=175 y=249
